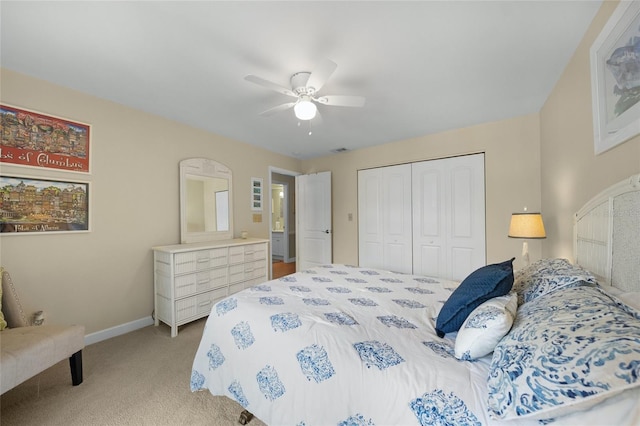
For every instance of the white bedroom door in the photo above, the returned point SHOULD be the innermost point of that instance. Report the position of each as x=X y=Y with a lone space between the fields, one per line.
x=313 y=216
x=384 y=218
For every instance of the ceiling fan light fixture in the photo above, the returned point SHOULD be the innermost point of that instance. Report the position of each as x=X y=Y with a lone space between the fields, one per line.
x=305 y=109
x=304 y=88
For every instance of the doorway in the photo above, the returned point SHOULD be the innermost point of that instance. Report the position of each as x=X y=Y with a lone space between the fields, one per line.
x=279 y=221
x=282 y=220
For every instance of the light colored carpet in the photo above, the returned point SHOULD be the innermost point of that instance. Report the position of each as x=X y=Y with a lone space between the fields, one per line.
x=140 y=378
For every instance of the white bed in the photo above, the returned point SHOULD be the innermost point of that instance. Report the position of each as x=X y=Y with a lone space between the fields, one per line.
x=341 y=345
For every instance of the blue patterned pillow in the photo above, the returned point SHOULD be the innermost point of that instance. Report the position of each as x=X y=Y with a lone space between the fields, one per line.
x=548 y=275
x=564 y=353
x=481 y=285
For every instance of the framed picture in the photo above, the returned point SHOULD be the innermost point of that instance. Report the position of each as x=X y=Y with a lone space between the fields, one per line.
x=32 y=139
x=256 y=194
x=615 y=78
x=30 y=205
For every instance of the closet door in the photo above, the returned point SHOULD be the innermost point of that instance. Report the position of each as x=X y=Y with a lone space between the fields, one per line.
x=429 y=217
x=384 y=218
x=370 y=250
x=449 y=216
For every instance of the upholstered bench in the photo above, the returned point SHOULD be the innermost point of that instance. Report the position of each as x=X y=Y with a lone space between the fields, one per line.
x=29 y=350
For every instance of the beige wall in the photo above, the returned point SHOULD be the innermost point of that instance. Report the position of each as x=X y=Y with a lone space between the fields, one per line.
x=105 y=278
x=570 y=171
x=512 y=167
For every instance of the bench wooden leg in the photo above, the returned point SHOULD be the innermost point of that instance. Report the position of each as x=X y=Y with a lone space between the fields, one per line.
x=75 y=362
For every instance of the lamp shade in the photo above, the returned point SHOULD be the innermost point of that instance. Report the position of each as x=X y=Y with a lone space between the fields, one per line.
x=526 y=225
x=305 y=109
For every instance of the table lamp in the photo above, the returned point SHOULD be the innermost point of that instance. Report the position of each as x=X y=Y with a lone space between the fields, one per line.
x=527 y=226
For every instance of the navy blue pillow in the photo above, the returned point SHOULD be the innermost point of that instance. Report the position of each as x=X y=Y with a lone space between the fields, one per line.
x=481 y=285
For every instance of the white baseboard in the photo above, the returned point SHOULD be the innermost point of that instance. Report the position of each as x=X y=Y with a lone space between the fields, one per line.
x=118 y=330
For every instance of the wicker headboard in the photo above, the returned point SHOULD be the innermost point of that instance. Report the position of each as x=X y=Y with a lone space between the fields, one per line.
x=607 y=235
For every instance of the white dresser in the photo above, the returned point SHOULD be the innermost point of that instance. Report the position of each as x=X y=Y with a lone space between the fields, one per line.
x=190 y=278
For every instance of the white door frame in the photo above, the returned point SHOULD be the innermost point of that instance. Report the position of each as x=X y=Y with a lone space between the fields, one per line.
x=285 y=172
x=285 y=217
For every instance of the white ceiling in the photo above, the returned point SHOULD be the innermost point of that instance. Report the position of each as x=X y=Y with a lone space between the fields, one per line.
x=424 y=66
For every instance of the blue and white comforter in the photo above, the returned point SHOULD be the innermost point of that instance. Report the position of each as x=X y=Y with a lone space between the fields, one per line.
x=340 y=345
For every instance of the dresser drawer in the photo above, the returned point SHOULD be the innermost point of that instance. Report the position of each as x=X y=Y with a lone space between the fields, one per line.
x=198 y=306
x=247 y=271
x=199 y=260
x=200 y=281
x=219 y=257
x=213 y=278
x=255 y=269
x=191 y=261
x=236 y=255
x=255 y=252
x=236 y=273
x=250 y=252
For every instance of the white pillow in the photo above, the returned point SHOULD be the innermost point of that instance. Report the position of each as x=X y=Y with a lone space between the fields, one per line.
x=485 y=326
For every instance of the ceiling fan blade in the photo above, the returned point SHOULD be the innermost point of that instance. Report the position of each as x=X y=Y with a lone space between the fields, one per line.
x=277 y=109
x=342 y=100
x=270 y=85
x=321 y=74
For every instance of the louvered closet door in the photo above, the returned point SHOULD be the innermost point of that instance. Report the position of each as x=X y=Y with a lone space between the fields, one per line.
x=449 y=216
x=384 y=218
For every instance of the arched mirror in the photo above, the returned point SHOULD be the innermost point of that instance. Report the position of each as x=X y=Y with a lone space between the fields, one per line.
x=206 y=201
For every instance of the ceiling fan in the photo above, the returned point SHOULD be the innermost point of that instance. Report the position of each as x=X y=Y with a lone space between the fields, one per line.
x=305 y=87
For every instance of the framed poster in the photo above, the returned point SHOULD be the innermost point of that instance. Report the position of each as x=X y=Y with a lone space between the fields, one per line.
x=36 y=140
x=615 y=78
x=256 y=194
x=30 y=205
